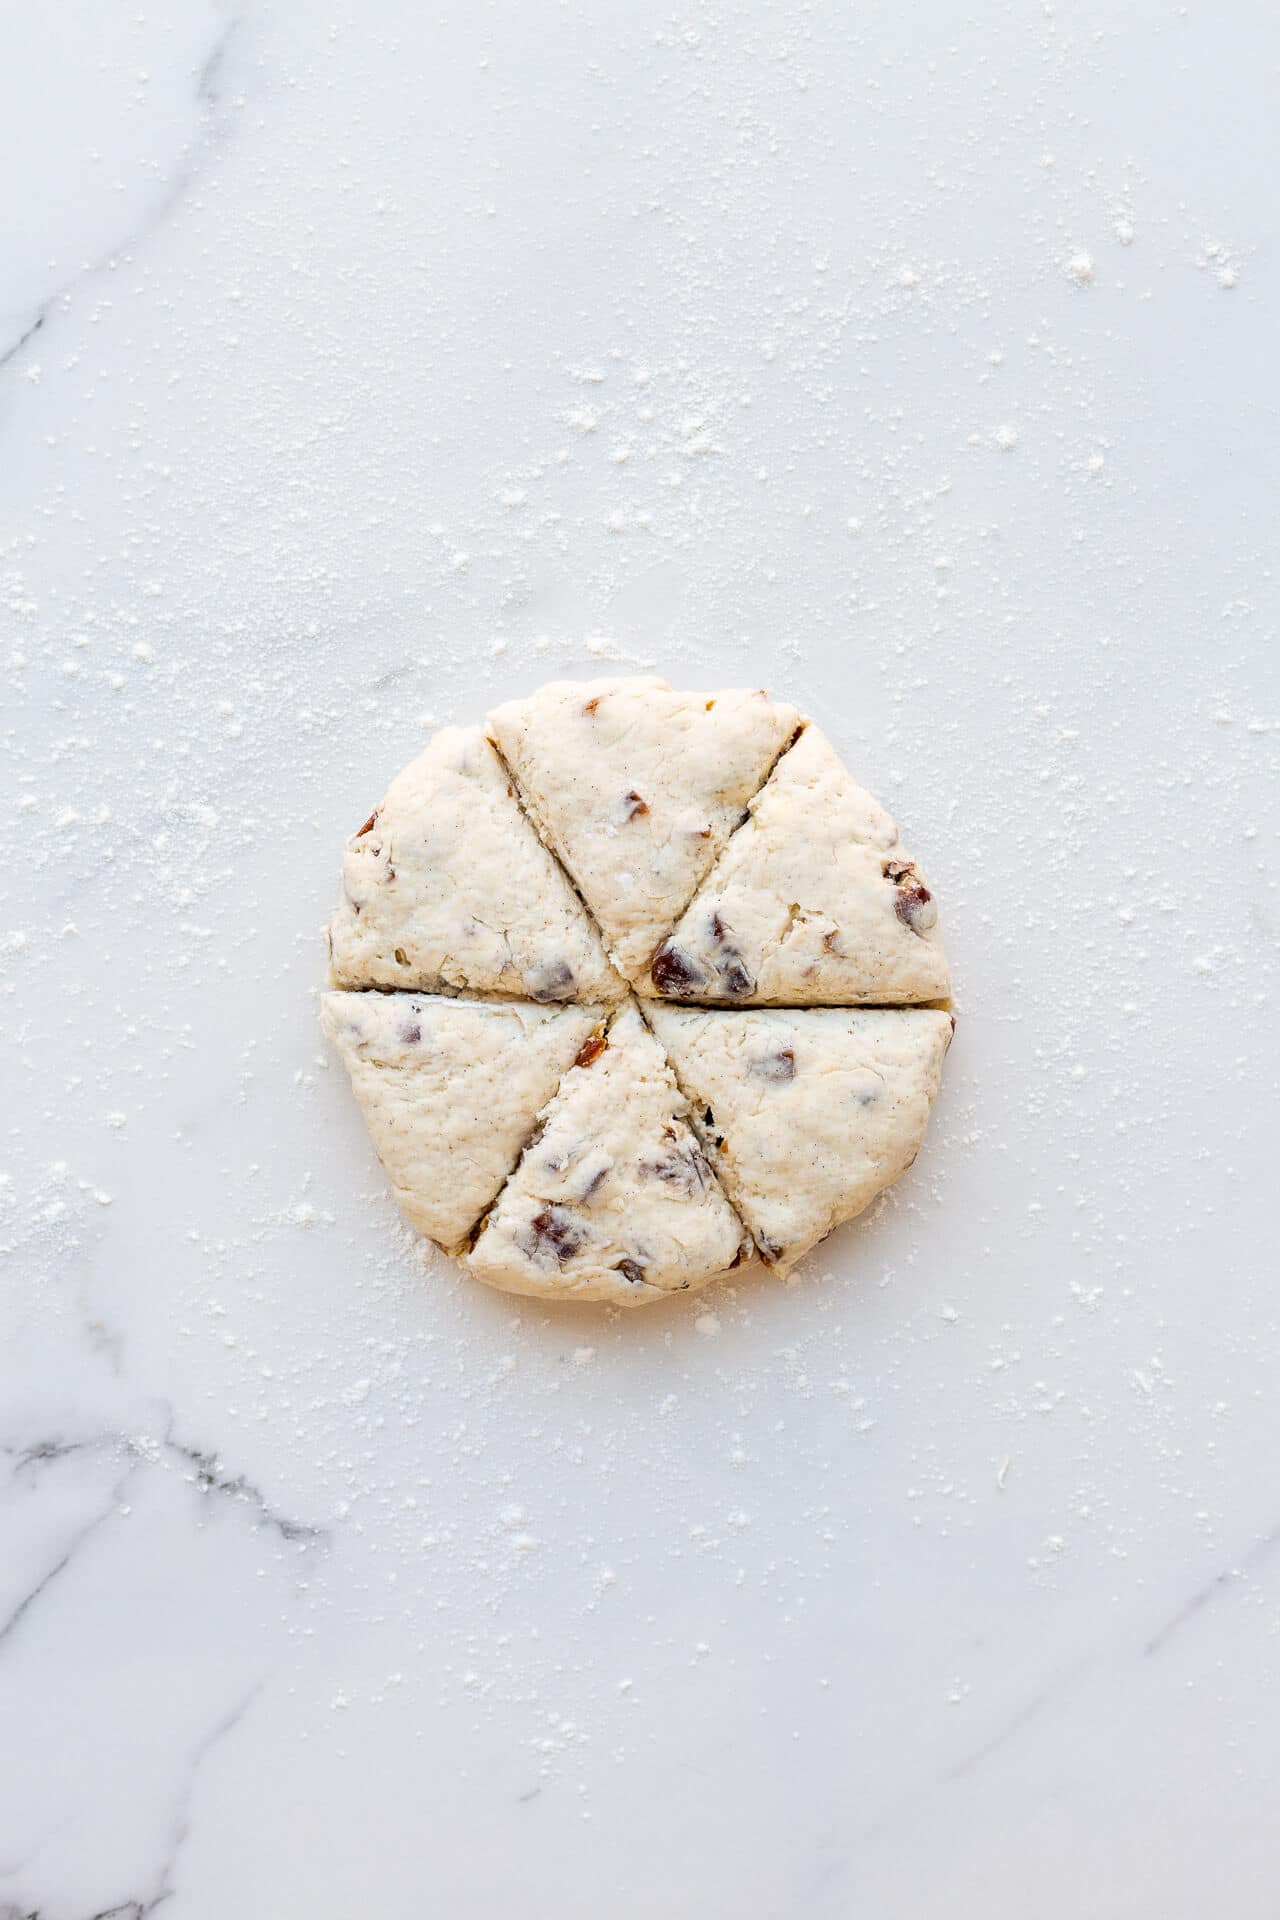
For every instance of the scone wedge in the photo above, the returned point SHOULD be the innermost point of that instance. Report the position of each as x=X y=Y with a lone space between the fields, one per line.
x=806 y=1115
x=450 y=1090
x=637 y=788
x=446 y=887
x=814 y=901
x=613 y=1199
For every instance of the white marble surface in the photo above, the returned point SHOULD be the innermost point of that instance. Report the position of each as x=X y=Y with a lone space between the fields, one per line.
x=360 y=364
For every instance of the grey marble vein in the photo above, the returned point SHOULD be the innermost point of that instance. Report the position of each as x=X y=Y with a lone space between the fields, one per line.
x=1203 y=1597
x=1022 y=1717
x=201 y=1468
x=180 y=1825
x=207 y=1474
x=210 y=1479
x=46 y=1580
x=1212 y=1590
x=212 y=130
x=209 y=78
x=43 y=1453
x=12 y=352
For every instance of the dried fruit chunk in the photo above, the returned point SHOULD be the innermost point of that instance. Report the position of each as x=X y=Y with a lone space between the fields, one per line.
x=446 y=886
x=613 y=1199
x=553 y=1229
x=804 y=1145
x=813 y=902
x=721 y=971
x=637 y=789
x=913 y=902
x=675 y=973
x=450 y=1091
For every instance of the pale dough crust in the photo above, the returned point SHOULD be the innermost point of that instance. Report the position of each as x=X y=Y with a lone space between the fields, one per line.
x=637 y=789
x=450 y=1090
x=806 y=1115
x=815 y=901
x=613 y=1200
x=447 y=887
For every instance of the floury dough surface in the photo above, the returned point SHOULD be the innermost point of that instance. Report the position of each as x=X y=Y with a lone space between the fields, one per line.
x=714 y=846
x=808 y=1114
x=815 y=901
x=450 y=1090
x=637 y=788
x=446 y=886
x=614 y=1199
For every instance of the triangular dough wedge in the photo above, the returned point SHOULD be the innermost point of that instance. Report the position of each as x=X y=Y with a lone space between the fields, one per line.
x=806 y=1115
x=613 y=1199
x=451 y=1091
x=447 y=886
x=637 y=789
x=813 y=902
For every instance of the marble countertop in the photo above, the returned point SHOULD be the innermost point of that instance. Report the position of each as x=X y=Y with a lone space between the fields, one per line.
x=360 y=365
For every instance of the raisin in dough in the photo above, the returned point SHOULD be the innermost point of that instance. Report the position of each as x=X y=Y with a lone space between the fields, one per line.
x=806 y=1115
x=450 y=1090
x=613 y=1200
x=637 y=789
x=813 y=902
x=446 y=886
